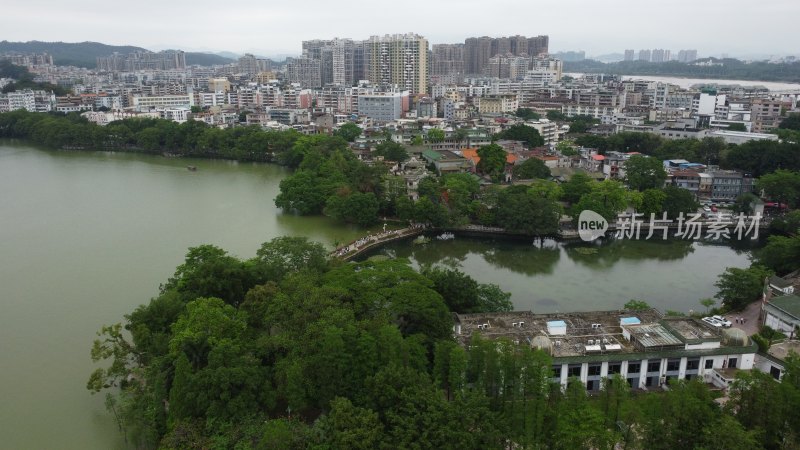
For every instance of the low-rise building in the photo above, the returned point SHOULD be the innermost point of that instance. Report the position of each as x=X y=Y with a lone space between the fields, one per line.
x=645 y=348
x=495 y=105
x=381 y=107
x=446 y=161
x=782 y=313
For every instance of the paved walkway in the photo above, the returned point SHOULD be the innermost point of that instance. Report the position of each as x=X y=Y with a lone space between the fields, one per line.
x=750 y=316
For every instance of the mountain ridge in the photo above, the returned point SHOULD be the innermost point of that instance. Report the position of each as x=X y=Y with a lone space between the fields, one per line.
x=84 y=54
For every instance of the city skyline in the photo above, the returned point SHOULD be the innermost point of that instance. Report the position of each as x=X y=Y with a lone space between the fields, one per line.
x=278 y=29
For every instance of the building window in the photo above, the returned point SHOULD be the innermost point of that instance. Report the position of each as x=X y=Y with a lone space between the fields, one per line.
x=614 y=368
x=775 y=372
x=692 y=364
x=732 y=363
x=634 y=367
x=594 y=369
x=654 y=366
x=574 y=371
x=557 y=371
x=709 y=363
x=673 y=365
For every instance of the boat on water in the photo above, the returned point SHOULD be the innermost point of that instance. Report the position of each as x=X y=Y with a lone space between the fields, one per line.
x=446 y=236
x=192 y=168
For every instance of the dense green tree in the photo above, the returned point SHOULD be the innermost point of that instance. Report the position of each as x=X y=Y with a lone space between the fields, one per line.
x=435 y=135
x=782 y=186
x=579 y=126
x=642 y=172
x=392 y=151
x=460 y=189
x=493 y=161
x=426 y=211
x=791 y=122
x=745 y=204
x=521 y=132
x=576 y=187
x=591 y=141
x=302 y=192
x=356 y=207
x=531 y=168
x=459 y=290
x=286 y=254
x=762 y=157
x=526 y=114
x=566 y=148
x=349 y=131
x=653 y=202
x=788 y=225
x=677 y=201
x=739 y=287
x=607 y=198
x=636 y=305
x=677 y=418
x=781 y=254
x=350 y=427
x=209 y=271
x=520 y=210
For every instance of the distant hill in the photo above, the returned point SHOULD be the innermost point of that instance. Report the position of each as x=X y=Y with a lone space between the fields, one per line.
x=84 y=54
x=81 y=54
x=730 y=69
x=206 y=59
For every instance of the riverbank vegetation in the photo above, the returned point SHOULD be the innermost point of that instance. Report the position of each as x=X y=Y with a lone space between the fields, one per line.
x=727 y=68
x=330 y=179
x=291 y=350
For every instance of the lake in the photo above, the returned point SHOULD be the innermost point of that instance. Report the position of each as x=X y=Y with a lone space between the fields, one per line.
x=85 y=237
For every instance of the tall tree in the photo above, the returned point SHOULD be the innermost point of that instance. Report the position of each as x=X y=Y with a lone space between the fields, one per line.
x=521 y=132
x=493 y=161
x=739 y=287
x=349 y=132
x=531 y=168
x=642 y=172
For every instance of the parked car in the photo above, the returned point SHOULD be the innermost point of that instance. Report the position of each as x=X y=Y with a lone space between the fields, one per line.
x=713 y=208
x=706 y=209
x=712 y=322
x=725 y=322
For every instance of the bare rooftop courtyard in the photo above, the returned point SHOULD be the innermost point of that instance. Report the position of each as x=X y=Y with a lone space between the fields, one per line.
x=592 y=333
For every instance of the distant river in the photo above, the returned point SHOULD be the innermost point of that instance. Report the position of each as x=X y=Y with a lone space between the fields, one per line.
x=85 y=237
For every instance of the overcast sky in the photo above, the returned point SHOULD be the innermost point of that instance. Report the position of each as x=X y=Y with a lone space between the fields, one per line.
x=268 y=27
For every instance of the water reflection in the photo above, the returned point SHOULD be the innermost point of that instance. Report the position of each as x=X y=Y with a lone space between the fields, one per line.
x=526 y=260
x=671 y=274
x=604 y=255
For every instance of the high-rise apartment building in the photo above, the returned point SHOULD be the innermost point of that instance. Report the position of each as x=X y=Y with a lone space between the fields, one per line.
x=686 y=56
x=629 y=55
x=478 y=50
x=657 y=55
x=400 y=59
x=251 y=65
x=448 y=59
x=644 y=55
x=304 y=70
x=507 y=66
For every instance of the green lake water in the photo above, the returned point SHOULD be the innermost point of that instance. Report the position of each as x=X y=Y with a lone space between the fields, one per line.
x=85 y=237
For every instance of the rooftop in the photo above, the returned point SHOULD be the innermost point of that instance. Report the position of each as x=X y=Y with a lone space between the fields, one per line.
x=789 y=304
x=783 y=349
x=603 y=334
